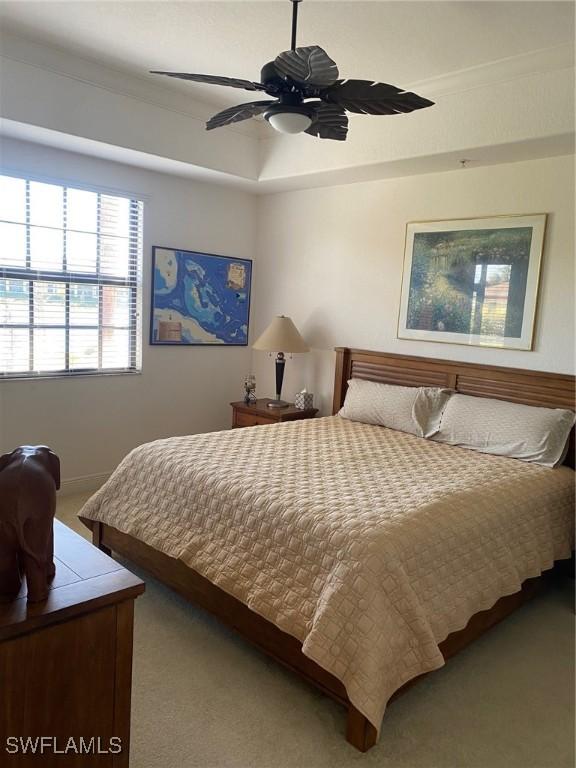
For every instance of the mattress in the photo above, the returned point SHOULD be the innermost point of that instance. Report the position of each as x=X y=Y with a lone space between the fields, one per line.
x=367 y=544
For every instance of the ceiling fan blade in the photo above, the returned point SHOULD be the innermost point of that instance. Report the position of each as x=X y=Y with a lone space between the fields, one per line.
x=238 y=113
x=310 y=65
x=232 y=82
x=369 y=98
x=329 y=121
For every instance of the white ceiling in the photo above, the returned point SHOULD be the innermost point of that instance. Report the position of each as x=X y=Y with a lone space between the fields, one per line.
x=396 y=42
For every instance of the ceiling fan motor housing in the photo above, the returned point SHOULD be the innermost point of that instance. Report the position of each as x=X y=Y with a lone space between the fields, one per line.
x=270 y=76
x=288 y=114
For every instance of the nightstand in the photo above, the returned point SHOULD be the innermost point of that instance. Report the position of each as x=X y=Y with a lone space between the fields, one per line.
x=250 y=415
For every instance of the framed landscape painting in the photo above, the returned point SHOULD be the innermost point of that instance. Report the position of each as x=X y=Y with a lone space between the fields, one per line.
x=199 y=298
x=472 y=281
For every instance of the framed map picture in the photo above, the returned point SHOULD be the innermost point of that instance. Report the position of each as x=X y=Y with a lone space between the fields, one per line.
x=199 y=298
x=472 y=281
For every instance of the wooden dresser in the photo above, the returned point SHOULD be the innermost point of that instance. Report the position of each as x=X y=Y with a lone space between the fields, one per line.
x=252 y=414
x=66 y=663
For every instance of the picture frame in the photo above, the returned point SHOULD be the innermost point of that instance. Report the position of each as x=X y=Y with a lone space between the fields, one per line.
x=199 y=299
x=472 y=281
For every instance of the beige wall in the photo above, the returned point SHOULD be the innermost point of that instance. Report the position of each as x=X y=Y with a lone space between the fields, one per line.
x=93 y=422
x=332 y=259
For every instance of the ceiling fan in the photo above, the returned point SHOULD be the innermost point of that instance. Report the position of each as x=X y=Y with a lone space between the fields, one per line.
x=309 y=96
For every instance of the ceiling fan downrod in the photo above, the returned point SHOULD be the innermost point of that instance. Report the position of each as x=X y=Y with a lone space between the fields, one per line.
x=295 y=4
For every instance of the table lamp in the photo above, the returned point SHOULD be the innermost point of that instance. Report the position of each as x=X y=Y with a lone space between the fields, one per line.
x=280 y=334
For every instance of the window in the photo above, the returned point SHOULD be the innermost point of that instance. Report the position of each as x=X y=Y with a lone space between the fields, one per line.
x=70 y=264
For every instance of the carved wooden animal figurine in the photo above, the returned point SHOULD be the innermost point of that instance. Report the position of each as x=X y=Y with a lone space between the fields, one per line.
x=29 y=479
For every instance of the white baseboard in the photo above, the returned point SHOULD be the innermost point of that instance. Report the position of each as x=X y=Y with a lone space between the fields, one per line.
x=85 y=484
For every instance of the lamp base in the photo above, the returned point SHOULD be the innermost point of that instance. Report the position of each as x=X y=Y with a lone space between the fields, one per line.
x=277 y=404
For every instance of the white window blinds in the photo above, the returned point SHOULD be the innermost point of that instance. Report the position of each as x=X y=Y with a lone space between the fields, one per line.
x=70 y=269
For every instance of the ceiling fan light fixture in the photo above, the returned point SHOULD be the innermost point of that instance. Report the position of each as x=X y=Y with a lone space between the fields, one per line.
x=285 y=120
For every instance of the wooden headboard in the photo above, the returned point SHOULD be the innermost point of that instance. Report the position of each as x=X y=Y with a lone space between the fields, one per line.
x=550 y=390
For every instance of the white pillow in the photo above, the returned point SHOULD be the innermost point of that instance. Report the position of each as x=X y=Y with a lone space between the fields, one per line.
x=416 y=410
x=506 y=429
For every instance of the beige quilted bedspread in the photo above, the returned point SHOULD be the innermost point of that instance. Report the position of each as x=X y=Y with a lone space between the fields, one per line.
x=367 y=544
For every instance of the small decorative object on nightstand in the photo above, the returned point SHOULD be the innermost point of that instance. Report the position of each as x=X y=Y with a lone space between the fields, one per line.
x=283 y=335
x=250 y=388
x=253 y=414
x=304 y=400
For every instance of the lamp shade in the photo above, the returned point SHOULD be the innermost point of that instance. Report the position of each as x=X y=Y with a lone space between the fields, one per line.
x=281 y=336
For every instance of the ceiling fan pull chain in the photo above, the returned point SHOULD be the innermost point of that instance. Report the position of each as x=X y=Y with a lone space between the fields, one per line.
x=294 y=22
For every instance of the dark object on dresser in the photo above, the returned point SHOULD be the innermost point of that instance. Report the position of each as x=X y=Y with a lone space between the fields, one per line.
x=258 y=412
x=29 y=479
x=66 y=663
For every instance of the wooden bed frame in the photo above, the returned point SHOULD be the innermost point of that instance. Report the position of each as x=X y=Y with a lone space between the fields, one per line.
x=521 y=386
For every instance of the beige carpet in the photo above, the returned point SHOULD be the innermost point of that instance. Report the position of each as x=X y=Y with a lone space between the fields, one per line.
x=203 y=698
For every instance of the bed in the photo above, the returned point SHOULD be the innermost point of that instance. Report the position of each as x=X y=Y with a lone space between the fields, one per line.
x=360 y=557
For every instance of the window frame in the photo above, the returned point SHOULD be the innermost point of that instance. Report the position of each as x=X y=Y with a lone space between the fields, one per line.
x=133 y=281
